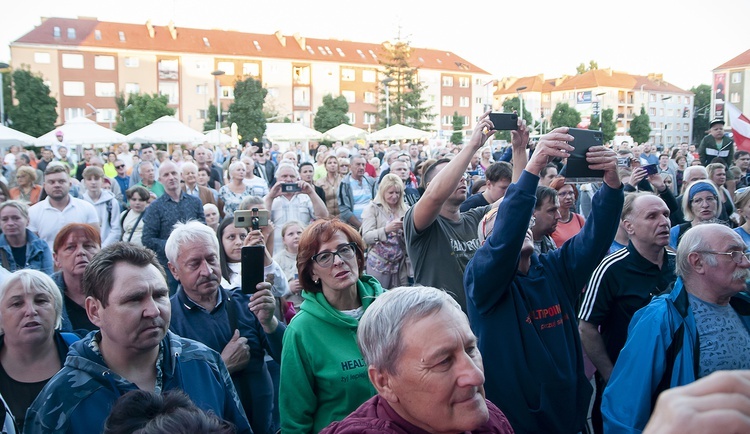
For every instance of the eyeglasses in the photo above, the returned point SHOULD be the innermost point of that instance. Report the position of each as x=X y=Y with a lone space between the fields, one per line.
x=566 y=194
x=737 y=256
x=345 y=252
x=120 y=166
x=708 y=200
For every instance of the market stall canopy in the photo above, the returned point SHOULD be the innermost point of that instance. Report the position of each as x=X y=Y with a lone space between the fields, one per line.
x=10 y=137
x=344 y=132
x=81 y=131
x=288 y=132
x=215 y=137
x=399 y=132
x=166 y=129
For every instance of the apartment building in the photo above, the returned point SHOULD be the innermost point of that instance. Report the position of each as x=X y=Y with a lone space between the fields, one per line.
x=86 y=62
x=729 y=86
x=670 y=109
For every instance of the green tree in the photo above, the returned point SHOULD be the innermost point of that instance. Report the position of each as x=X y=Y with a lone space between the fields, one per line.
x=701 y=111
x=640 y=130
x=247 y=109
x=594 y=123
x=608 y=125
x=580 y=69
x=457 y=137
x=212 y=116
x=331 y=113
x=35 y=112
x=405 y=90
x=140 y=110
x=7 y=95
x=565 y=116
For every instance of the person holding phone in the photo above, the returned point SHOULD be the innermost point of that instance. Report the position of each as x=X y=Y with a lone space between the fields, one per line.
x=324 y=377
x=240 y=327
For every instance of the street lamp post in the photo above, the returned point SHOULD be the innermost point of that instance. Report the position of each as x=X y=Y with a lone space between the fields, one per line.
x=96 y=111
x=216 y=74
x=600 y=110
x=3 y=66
x=520 y=99
x=385 y=82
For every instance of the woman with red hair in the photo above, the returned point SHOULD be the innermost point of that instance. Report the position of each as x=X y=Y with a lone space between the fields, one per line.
x=570 y=222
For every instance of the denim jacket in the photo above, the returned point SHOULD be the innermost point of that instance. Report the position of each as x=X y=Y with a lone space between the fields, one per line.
x=38 y=254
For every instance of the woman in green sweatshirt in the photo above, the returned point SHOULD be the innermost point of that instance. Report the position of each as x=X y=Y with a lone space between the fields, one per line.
x=323 y=374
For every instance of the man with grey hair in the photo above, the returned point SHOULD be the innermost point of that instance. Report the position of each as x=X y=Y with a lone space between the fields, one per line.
x=296 y=201
x=701 y=326
x=190 y=184
x=423 y=360
x=356 y=191
x=128 y=300
x=239 y=327
x=147 y=154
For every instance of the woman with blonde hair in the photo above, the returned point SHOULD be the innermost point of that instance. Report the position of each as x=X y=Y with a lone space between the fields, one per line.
x=742 y=203
x=330 y=184
x=700 y=204
x=382 y=230
x=235 y=189
x=26 y=190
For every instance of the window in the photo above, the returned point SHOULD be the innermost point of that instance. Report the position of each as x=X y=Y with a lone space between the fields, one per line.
x=132 y=88
x=104 y=89
x=72 y=61
x=347 y=74
x=106 y=115
x=736 y=77
x=171 y=90
x=370 y=118
x=227 y=92
x=74 y=112
x=301 y=74
x=168 y=69
x=349 y=95
x=71 y=33
x=56 y=32
x=42 y=58
x=677 y=127
x=201 y=89
x=227 y=67
x=302 y=96
x=652 y=111
x=73 y=88
x=122 y=36
x=352 y=118
x=252 y=69
x=132 y=62
x=369 y=76
x=478 y=100
x=463 y=101
x=201 y=113
x=546 y=97
x=98 y=35
x=447 y=101
x=463 y=81
x=104 y=62
x=205 y=42
x=447 y=120
x=370 y=97
x=686 y=127
x=447 y=81
x=734 y=97
x=652 y=97
x=668 y=126
x=466 y=120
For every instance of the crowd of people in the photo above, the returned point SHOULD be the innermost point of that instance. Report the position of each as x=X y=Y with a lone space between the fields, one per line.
x=408 y=288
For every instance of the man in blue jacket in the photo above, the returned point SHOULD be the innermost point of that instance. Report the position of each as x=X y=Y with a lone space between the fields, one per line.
x=522 y=305
x=128 y=299
x=701 y=326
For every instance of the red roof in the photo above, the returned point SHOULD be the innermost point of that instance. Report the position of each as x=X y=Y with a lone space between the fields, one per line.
x=739 y=61
x=590 y=79
x=230 y=43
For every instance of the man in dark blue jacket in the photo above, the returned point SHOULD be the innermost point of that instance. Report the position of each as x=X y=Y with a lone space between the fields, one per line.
x=522 y=305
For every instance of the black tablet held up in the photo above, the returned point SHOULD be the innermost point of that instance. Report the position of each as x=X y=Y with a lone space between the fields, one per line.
x=576 y=169
x=252 y=268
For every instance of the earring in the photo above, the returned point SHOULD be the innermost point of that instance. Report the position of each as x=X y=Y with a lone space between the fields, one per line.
x=317 y=281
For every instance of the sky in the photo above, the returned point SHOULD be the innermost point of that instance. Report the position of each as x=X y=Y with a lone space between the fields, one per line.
x=682 y=40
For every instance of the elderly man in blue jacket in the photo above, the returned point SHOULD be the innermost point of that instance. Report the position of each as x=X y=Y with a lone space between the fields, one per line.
x=522 y=305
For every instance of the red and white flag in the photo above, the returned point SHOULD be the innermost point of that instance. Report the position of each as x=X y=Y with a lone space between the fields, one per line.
x=740 y=128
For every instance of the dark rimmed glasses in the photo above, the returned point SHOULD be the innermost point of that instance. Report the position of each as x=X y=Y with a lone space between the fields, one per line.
x=345 y=252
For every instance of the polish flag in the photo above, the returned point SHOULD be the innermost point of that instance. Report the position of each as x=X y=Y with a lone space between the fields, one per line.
x=740 y=128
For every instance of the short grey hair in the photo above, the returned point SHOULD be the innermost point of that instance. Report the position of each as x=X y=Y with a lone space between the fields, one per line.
x=695 y=240
x=188 y=232
x=30 y=279
x=145 y=163
x=233 y=166
x=248 y=201
x=380 y=332
x=287 y=165
x=189 y=165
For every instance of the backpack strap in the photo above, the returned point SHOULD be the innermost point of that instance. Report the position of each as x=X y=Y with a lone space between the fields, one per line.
x=132 y=231
x=70 y=338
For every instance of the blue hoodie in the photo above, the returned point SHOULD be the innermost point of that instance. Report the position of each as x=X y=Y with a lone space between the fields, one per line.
x=526 y=324
x=79 y=398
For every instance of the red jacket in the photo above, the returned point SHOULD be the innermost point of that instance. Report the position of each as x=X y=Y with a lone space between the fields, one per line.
x=377 y=416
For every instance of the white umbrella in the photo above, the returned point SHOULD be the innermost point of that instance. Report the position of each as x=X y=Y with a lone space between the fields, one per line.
x=166 y=129
x=399 y=132
x=81 y=131
x=215 y=137
x=10 y=137
x=288 y=132
x=344 y=132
